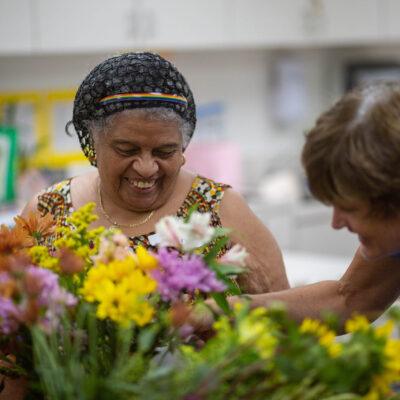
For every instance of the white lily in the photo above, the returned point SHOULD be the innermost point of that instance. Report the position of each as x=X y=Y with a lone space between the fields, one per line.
x=185 y=236
x=171 y=231
x=235 y=256
x=198 y=231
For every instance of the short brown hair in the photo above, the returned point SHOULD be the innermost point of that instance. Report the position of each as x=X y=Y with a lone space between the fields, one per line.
x=353 y=152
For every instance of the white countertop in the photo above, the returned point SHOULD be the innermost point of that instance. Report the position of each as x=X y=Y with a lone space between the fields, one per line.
x=304 y=267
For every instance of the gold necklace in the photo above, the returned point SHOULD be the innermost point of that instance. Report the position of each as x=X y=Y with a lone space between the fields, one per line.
x=114 y=222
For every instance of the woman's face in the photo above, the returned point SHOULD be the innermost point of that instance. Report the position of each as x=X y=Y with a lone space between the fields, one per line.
x=378 y=236
x=139 y=160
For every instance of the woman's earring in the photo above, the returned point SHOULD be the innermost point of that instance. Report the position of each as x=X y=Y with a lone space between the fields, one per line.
x=92 y=156
x=183 y=159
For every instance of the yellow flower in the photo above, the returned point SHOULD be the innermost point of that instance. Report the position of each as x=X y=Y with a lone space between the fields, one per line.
x=381 y=385
x=145 y=259
x=335 y=350
x=309 y=325
x=390 y=369
x=222 y=326
x=357 y=323
x=140 y=283
x=80 y=237
x=120 y=287
x=120 y=305
x=257 y=334
x=143 y=314
x=40 y=256
x=119 y=269
x=326 y=337
x=93 y=281
x=392 y=352
x=372 y=395
x=384 y=330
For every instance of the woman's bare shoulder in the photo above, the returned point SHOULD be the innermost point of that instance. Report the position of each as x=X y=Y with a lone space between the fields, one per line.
x=83 y=189
x=31 y=206
x=234 y=205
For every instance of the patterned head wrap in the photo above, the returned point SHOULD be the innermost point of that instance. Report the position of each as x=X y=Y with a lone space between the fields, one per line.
x=130 y=80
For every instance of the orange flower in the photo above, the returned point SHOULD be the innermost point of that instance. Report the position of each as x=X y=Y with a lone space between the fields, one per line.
x=70 y=263
x=37 y=226
x=8 y=287
x=179 y=314
x=13 y=239
x=31 y=313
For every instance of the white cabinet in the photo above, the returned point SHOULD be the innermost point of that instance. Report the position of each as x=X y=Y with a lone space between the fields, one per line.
x=390 y=11
x=16 y=29
x=56 y=26
x=129 y=24
x=88 y=25
x=271 y=22
x=304 y=22
x=189 y=23
x=344 y=21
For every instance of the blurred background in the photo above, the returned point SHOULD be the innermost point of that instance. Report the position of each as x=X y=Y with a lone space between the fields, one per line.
x=261 y=72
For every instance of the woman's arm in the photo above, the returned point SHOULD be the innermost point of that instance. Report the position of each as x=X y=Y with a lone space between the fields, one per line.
x=266 y=271
x=367 y=287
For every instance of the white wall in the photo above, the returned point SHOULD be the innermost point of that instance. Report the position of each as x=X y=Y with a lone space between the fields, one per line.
x=242 y=79
x=245 y=81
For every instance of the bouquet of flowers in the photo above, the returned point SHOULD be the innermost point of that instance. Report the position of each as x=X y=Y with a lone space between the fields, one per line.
x=95 y=320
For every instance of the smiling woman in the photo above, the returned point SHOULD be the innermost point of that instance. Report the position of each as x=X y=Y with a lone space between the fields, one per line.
x=135 y=115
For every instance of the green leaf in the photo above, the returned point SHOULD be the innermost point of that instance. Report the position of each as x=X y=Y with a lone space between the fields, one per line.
x=233 y=287
x=220 y=299
x=147 y=337
x=213 y=253
x=225 y=269
x=221 y=232
x=193 y=208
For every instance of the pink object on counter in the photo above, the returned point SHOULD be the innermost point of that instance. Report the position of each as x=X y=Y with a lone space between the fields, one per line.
x=220 y=161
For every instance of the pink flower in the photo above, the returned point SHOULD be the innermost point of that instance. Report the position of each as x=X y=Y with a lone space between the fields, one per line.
x=234 y=256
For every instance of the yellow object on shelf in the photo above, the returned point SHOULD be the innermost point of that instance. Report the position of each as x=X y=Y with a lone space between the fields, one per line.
x=45 y=104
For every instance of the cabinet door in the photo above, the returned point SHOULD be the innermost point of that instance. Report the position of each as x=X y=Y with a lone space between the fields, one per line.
x=297 y=22
x=15 y=26
x=77 y=25
x=390 y=19
x=344 y=21
x=189 y=23
x=106 y=25
x=267 y=22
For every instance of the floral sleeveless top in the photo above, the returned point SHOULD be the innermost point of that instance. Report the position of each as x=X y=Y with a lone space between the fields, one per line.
x=204 y=192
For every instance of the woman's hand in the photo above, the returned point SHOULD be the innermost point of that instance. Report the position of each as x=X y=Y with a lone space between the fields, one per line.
x=201 y=318
x=14 y=388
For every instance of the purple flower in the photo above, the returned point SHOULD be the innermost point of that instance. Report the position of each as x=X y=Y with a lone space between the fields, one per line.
x=8 y=313
x=185 y=331
x=189 y=273
x=50 y=294
x=49 y=291
x=39 y=287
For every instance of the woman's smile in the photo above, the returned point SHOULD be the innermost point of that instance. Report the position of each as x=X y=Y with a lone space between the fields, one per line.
x=142 y=187
x=140 y=184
